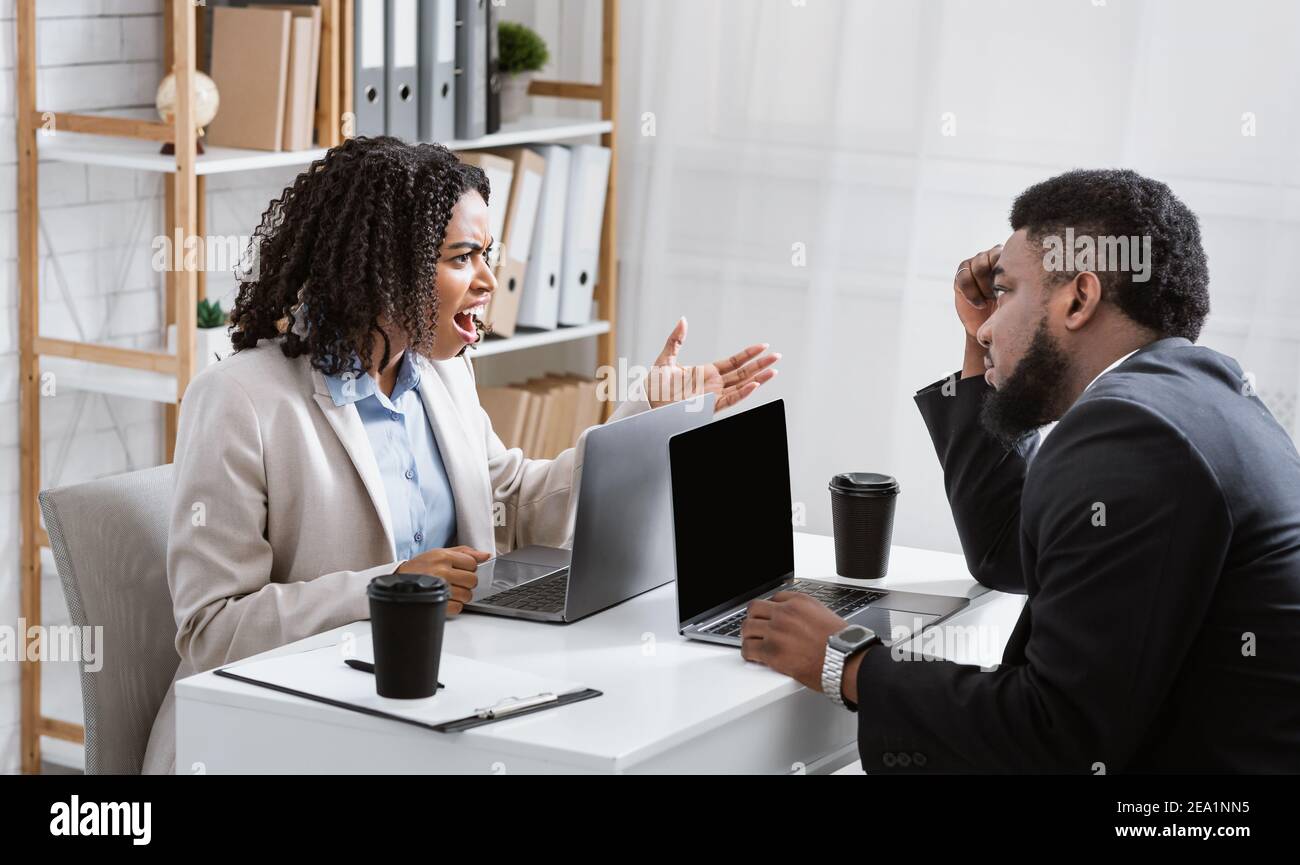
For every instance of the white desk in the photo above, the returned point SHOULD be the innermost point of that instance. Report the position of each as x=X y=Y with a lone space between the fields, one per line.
x=669 y=704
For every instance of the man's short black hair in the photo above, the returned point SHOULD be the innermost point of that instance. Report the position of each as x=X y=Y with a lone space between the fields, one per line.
x=1175 y=300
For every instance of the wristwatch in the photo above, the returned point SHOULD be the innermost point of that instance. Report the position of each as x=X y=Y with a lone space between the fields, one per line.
x=839 y=648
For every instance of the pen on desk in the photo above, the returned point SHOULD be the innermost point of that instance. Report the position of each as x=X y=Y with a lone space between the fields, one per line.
x=512 y=705
x=367 y=667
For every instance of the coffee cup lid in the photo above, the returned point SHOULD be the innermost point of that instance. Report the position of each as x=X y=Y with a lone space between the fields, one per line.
x=864 y=484
x=409 y=588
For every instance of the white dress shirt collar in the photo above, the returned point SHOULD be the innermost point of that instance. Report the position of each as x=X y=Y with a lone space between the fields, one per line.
x=1047 y=428
x=1109 y=368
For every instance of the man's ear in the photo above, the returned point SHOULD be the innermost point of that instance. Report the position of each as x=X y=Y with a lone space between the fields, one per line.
x=1084 y=293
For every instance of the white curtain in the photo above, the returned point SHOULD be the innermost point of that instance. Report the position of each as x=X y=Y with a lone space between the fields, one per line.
x=810 y=173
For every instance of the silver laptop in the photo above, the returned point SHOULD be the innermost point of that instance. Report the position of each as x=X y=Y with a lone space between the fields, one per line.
x=622 y=538
x=733 y=536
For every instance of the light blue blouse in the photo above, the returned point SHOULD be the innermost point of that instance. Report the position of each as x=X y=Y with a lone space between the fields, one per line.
x=419 y=495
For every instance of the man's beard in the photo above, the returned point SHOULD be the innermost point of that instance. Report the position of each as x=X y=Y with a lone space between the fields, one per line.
x=1031 y=395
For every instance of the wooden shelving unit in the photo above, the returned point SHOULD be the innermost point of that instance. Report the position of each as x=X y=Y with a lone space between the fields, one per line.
x=161 y=376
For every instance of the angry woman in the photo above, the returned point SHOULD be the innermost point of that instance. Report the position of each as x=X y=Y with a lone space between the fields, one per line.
x=344 y=438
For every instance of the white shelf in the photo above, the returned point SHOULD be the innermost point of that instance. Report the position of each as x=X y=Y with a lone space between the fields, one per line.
x=527 y=338
x=533 y=130
x=117 y=152
x=72 y=374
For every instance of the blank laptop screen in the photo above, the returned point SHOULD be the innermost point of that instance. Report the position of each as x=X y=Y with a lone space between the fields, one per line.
x=731 y=508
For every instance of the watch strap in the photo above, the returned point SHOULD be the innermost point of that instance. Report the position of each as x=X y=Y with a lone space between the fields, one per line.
x=833 y=675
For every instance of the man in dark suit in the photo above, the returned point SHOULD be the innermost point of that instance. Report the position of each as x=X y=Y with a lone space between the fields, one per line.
x=1130 y=482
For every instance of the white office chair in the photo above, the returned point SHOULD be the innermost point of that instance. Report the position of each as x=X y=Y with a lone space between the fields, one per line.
x=109 y=539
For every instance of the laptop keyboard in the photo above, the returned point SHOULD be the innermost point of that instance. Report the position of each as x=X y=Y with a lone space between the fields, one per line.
x=544 y=595
x=844 y=601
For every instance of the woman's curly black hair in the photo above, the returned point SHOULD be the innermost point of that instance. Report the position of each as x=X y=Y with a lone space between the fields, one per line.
x=355 y=238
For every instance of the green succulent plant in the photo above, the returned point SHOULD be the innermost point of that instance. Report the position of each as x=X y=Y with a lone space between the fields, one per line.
x=211 y=314
x=521 y=49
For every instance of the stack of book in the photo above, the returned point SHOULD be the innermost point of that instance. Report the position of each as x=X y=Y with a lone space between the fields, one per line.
x=266 y=64
x=542 y=416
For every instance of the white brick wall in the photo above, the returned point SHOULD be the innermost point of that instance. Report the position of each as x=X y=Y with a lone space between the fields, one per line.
x=104 y=56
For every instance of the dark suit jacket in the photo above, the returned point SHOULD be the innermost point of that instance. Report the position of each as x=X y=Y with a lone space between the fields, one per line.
x=1157 y=534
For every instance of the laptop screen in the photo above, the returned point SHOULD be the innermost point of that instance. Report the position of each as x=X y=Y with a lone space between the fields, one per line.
x=731 y=508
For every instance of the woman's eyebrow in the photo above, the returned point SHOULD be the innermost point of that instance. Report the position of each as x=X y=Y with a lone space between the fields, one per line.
x=466 y=244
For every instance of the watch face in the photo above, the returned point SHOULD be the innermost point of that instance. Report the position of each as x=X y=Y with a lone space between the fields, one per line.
x=852 y=637
x=854 y=634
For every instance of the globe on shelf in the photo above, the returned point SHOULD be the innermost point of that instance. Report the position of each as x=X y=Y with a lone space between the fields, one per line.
x=206 y=102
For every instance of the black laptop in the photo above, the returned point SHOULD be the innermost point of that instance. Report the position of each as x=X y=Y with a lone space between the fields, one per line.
x=733 y=535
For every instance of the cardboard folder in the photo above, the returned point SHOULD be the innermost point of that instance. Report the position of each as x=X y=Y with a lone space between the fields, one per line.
x=543 y=416
x=507 y=408
x=297 y=101
x=587 y=410
x=537 y=439
x=578 y=410
x=566 y=395
x=561 y=394
x=303 y=74
x=500 y=174
x=532 y=420
x=517 y=237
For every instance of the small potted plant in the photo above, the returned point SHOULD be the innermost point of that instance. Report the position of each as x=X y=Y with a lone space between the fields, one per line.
x=522 y=52
x=212 y=339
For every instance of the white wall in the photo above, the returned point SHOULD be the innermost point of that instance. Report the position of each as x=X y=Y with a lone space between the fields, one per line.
x=95 y=56
x=822 y=122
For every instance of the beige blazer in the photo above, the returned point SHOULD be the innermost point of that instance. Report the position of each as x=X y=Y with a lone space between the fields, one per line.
x=280 y=518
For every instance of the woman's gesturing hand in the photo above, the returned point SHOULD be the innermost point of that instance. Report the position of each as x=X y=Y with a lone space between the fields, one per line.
x=456 y=565
x=732 y=379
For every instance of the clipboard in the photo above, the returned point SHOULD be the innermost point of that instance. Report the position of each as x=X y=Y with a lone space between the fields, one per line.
x=478 y=721
x=475 y=709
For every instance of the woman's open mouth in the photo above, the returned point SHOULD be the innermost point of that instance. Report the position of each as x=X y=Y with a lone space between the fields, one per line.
x=469 y=322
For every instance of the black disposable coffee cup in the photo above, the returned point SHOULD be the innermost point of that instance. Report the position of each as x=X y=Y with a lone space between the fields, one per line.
x=862 y=514
x=407 y=614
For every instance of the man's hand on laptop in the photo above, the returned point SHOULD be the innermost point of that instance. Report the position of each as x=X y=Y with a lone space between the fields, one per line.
x=788 y=633
x=972 y=289
x=456 y=565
